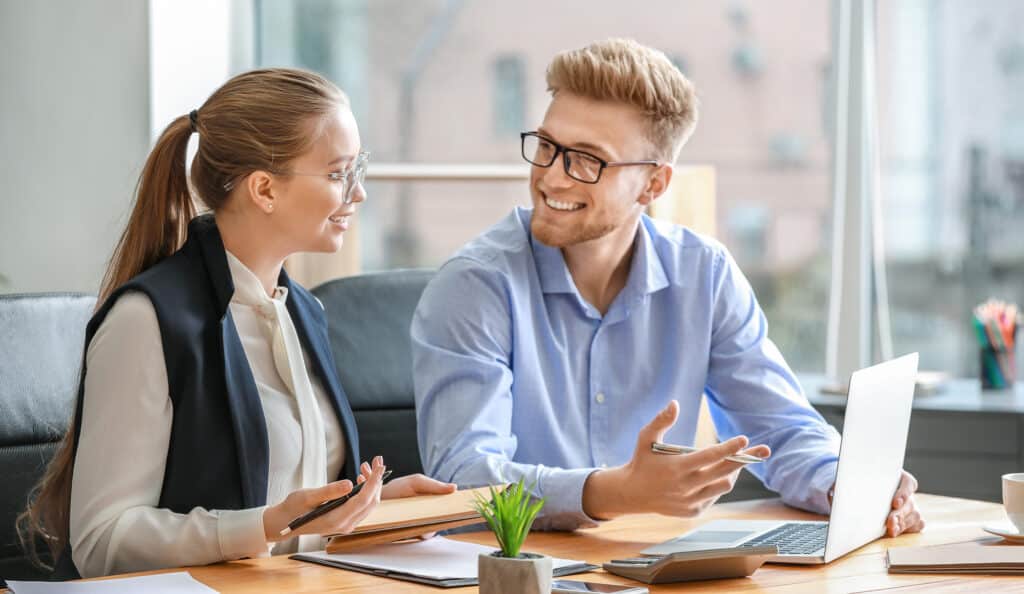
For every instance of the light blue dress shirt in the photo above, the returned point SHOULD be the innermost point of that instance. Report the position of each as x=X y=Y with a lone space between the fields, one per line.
x=516 y=375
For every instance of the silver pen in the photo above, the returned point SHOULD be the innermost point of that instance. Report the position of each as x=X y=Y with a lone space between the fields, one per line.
x=667 y=448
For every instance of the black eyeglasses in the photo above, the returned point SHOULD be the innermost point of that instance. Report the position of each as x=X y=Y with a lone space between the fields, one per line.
x=579 y=165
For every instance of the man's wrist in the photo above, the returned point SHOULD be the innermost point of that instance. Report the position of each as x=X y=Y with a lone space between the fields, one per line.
x=606 y=493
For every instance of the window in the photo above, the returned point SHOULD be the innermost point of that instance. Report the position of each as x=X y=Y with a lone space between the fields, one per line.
x=509 y=96
x=454 y=82
x=951 y=75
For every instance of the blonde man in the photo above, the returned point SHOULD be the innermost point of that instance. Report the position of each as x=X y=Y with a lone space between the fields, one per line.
x=562 y=342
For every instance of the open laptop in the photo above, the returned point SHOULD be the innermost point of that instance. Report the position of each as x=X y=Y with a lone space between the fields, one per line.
x=870 y=459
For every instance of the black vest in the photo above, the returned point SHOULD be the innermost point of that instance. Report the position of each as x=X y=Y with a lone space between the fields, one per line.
x=218 y=453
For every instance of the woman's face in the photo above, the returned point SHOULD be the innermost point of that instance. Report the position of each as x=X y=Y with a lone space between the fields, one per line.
x=310 y=213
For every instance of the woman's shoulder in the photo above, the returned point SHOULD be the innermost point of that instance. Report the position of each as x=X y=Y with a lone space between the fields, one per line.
x=130 y=317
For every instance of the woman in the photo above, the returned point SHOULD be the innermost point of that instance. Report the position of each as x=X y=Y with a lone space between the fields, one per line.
x=209 y=413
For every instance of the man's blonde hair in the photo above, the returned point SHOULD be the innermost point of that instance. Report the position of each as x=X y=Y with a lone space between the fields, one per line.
x=624 y=71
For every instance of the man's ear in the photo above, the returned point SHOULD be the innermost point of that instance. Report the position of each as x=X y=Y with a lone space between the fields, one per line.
x=657 y=184
x=261 y=190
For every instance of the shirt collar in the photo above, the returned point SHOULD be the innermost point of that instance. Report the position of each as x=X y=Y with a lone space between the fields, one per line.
x=248 y=288
x=646 y=273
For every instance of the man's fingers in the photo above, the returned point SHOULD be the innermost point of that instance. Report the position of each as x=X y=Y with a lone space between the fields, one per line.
x=662 y=422
x=717 y=452
x=424 y=485
x=715 y=489
x=905 y=490
x=760 y=451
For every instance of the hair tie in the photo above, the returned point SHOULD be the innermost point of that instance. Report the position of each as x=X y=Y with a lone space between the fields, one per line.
x=192 y=117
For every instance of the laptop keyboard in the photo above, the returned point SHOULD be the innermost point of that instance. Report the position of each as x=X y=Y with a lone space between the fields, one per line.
x=793 y=539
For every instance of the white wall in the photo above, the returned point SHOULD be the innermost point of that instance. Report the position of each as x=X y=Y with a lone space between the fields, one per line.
x=74 y=131
x=195 y=45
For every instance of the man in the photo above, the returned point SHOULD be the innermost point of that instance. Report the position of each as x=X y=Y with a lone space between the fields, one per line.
x=562 y=342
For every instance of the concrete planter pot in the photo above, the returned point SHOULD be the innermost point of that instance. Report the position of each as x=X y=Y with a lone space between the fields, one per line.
x=528 y=573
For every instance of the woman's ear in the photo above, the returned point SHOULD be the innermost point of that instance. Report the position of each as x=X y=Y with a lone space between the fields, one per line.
x=656 y=184
x=261 y=190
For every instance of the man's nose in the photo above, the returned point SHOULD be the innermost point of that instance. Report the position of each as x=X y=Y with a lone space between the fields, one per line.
x=555 y=176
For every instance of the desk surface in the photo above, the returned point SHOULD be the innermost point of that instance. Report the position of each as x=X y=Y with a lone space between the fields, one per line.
x=949 y=520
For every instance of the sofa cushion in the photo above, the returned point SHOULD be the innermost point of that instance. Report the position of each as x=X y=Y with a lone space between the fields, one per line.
x=368 y=318
x=43 y=338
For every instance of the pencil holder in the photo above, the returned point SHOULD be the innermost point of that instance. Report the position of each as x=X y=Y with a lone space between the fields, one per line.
x=998 y=368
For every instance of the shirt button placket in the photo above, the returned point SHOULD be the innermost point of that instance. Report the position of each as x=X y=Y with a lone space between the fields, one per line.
x=599 y=413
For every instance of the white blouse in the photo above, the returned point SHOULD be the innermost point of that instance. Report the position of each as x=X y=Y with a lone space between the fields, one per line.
x=115 y=524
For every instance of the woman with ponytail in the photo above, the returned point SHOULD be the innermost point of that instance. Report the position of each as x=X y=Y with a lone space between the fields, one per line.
x=209 y=413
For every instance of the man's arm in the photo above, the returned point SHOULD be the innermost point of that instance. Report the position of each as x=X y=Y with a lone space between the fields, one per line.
x=752 y=391
x=462 y=369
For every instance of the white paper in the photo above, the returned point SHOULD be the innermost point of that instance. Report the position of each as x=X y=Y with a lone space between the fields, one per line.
x=437 y=557
x=162 y=583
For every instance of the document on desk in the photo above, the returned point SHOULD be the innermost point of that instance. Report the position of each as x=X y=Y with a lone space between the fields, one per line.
x=437 y=562
x=988 y=555
x=179 y=582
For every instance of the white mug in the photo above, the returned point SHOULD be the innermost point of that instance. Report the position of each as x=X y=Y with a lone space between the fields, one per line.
x=1013 y=498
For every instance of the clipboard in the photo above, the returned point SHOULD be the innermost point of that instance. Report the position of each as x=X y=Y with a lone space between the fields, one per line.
x=436 y=562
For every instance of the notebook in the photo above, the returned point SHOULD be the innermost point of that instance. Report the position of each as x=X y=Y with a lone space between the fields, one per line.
x=408 y=517
x=437 y=562
x=988 y=555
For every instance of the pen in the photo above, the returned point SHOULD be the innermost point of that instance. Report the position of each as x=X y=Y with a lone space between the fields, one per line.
x=666 y=448
x=326 y=506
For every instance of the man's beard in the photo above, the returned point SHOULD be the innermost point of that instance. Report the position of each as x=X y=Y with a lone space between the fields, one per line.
x=553 y=236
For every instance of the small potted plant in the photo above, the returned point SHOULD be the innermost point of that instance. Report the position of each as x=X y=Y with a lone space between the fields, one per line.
x=510 y=514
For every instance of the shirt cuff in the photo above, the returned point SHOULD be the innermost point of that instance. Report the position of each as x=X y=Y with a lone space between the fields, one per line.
x=823 y=481
x=563 y=509
x=241 y=533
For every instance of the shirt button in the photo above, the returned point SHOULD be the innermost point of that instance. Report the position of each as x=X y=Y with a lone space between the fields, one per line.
x=599 y=397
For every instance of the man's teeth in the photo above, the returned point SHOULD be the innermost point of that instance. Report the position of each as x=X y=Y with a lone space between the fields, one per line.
x=335 y=218
x=562 y=205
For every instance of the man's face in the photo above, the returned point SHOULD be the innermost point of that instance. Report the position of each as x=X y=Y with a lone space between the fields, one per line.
x=567 y=211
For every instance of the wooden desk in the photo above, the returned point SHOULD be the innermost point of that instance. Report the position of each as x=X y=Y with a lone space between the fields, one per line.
x=949 y=520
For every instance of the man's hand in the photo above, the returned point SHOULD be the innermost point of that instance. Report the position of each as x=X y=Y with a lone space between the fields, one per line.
x=683 y=485
x=904 y=516
x=415 y=484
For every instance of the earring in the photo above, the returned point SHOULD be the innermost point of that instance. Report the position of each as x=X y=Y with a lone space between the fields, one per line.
x=270 y=207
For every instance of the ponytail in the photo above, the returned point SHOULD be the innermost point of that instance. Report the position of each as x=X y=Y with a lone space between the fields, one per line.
x=163 y=208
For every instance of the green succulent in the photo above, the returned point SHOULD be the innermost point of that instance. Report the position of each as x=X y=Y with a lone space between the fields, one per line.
x=509 y=514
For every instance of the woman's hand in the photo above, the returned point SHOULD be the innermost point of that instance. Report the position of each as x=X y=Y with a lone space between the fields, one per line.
x=415 y=484
x=341 y=520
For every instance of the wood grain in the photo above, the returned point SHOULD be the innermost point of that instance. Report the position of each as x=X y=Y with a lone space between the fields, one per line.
x=948 y=520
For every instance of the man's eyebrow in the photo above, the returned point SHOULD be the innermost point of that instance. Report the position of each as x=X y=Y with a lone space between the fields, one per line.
x=579 y=145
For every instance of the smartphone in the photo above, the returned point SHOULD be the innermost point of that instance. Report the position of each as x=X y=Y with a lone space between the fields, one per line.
x=571 y=586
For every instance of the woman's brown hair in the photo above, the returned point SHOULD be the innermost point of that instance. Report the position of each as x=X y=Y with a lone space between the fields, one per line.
x=257 y=121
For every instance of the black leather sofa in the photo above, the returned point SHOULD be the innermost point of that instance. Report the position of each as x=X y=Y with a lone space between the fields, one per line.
x=42 y=337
